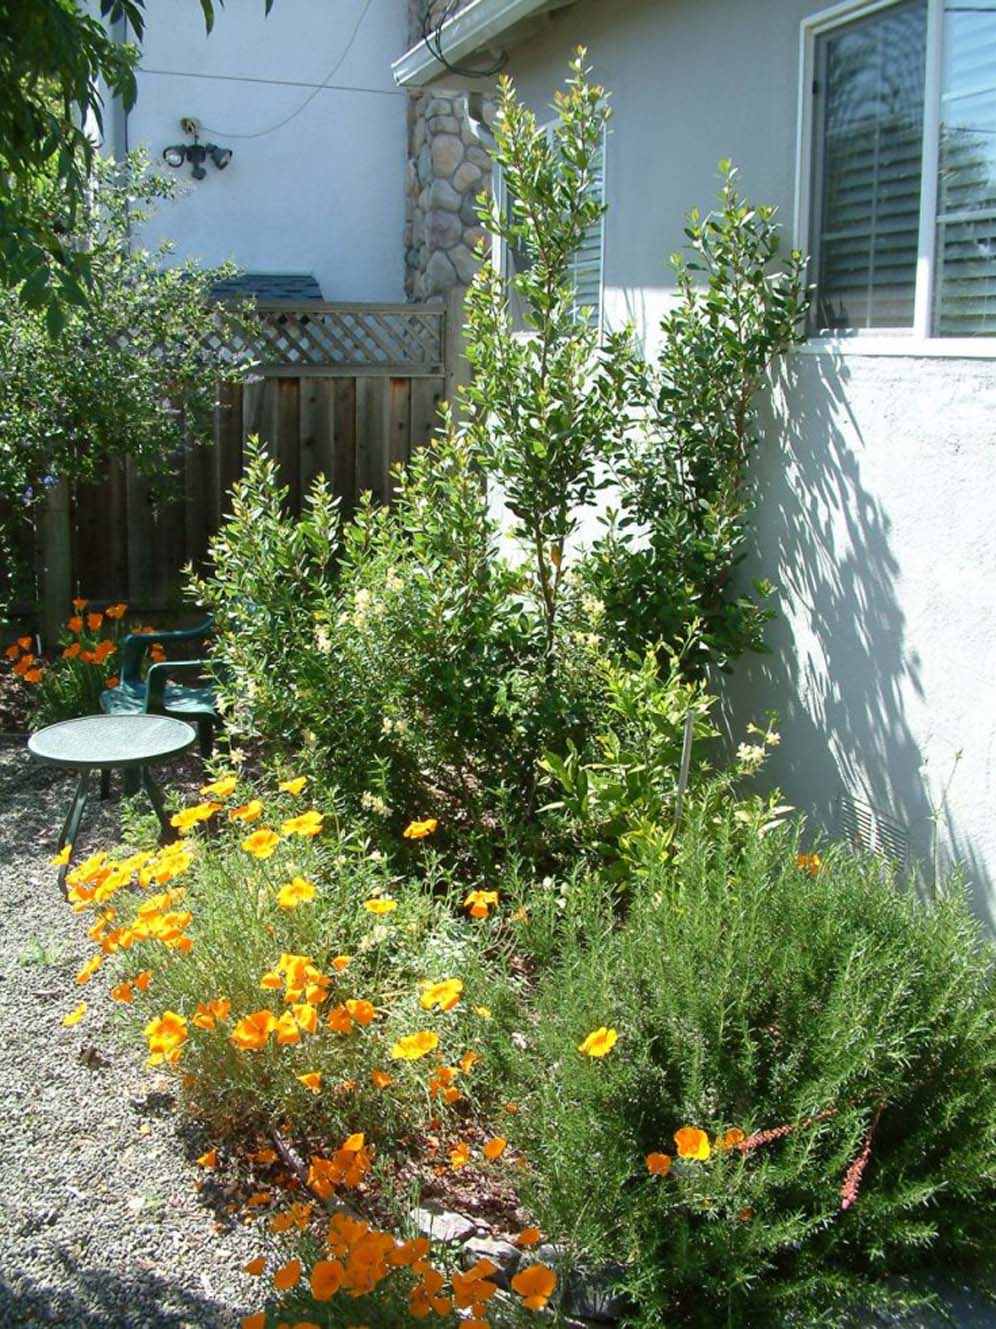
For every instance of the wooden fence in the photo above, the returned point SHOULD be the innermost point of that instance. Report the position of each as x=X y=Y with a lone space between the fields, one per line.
x=344 y=390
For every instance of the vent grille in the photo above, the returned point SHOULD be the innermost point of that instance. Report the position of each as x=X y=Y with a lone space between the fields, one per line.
x=865 y=827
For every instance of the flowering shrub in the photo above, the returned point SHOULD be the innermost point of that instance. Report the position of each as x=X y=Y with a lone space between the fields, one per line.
x=792 y=1096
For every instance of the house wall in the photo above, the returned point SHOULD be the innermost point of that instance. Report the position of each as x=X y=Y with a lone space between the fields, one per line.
x=322 y=194
x=876 y=476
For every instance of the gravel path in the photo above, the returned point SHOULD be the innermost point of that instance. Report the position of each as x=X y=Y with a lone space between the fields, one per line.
x=100 y=1222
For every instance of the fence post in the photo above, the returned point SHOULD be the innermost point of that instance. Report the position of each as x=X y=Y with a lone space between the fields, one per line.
x=57 y=573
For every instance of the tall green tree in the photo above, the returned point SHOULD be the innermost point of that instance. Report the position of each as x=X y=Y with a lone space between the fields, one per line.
x=55 y=59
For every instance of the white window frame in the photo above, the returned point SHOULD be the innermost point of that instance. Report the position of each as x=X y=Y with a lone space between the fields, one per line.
x=500 y=200
x=916 y=341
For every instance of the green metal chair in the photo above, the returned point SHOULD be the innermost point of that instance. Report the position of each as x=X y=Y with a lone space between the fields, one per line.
x=155 y=695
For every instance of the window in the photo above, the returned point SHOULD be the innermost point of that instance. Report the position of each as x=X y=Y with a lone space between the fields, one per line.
x=586 y=266
x=898 y=167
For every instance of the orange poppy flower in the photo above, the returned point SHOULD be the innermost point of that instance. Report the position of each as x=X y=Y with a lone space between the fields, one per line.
x=480 y=903
x=116 y=611
x=311 y=1080
x=94 y=621
x=535 y=1285
x=494 y=1148
x=692 y=1143
x=208 y=1160
x=250 y=811
x=659 y=1164
x=381 y=1079
x=75 y=624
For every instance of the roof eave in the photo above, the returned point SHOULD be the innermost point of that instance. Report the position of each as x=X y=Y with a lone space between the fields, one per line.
x=472 y=27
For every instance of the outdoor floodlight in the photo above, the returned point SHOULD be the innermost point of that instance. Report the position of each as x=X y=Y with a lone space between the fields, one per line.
x=195 y=153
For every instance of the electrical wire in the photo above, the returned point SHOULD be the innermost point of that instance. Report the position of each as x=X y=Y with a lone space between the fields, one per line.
x=432 y=37
x=261 y=133
x=275 y=82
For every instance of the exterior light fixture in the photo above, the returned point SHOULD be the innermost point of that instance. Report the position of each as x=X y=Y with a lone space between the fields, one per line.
x=195 y=153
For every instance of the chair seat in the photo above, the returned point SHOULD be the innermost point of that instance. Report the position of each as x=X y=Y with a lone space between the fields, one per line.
x=177 y=700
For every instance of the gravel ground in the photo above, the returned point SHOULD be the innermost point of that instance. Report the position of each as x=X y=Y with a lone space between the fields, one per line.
x=100 y=1222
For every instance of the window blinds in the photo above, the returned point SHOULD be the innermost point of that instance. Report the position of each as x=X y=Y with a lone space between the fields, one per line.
x=869 y=96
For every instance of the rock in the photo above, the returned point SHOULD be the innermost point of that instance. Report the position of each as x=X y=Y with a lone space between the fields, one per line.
x=418 y=134
x=439 y=106
x=444 y=229
x=466 y=176
x=464 y=262
x=502 y=1253
x=447 y=154
x=479 y=157
x=468 y=211
x=592 y=1294
x=424 y=164
x=443 y=124
x=444 y=196
x=440 y=275
x=473 y=236
x=554 y=1254
x=441 y=1224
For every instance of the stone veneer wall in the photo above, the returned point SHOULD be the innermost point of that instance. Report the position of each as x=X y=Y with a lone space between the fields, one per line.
x=448 y=166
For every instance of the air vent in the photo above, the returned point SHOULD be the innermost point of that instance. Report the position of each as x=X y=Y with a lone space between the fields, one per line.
x=868 y=828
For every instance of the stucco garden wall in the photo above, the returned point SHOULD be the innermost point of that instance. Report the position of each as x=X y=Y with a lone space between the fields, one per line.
x=876 y=480
x=321 y=194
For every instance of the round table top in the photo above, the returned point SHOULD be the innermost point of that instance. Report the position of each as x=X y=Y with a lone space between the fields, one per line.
x=111 y=740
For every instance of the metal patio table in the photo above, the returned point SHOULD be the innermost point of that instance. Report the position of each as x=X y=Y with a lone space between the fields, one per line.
x=105 y=743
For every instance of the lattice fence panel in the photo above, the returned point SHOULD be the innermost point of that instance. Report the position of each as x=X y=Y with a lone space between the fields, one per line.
x=330 y=336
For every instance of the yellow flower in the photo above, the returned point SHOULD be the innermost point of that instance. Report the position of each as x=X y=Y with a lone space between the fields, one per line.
x=308 y=823
x=261 y=843
x=445 y=994
x=294 y=893
x=75 y=1016
x=480 y=903
x=62 y=857
x=413 y=1046
x=293 y=786
x=599 y=1042
x=418 y=830
x=208 y=1160
x=90 y=968
x=190 y=816
x=221 y=788
x=166 y=1036
x=692 y=1143
x=311 y=1080
x=383 y=905
x=811 y=863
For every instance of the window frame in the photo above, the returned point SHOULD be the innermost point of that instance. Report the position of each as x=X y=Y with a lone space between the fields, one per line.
x=917 y=340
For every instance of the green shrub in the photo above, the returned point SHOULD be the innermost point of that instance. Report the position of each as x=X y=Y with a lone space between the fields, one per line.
x=665 y=564
x=755 y=993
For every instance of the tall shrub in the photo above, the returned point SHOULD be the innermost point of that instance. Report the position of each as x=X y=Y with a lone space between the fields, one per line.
x=665 y=565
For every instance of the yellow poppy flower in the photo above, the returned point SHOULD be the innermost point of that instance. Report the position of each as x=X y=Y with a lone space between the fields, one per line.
x=418 y=830
x=75 y=1016
x=294 y=893
x=599 y=1042
x=261 y=843
x=221 y=787
x=293 y=786
x=308 y=823
x=445 y=994
x=311 y=1080
x=413 y=1046
x=382 y=905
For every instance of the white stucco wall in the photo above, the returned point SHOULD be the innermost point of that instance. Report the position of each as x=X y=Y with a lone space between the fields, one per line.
x=324 y=193
x=876 y=479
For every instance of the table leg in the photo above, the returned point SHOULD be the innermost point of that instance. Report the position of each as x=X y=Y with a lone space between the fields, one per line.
x=169 y=833
x=71 y=826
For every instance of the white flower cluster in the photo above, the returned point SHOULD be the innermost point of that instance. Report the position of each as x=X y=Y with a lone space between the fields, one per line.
x=374 y=803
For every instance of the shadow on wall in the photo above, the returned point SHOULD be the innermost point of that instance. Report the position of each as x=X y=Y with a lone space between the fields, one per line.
x=842 y=674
